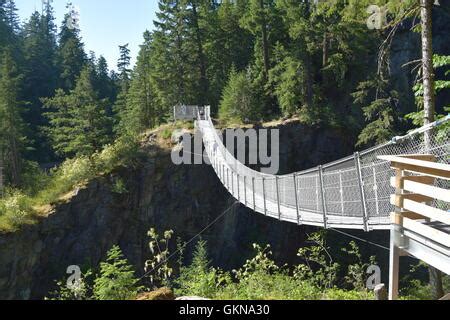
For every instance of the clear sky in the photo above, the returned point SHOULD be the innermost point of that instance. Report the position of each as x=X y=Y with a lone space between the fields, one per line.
x=105 y=24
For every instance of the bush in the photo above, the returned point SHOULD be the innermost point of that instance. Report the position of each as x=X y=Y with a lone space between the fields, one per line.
x=15 y=211
x=198 y=278
x=117 y=280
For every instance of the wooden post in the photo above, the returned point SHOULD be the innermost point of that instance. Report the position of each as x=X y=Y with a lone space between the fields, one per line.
x=296 y=199
x=394 y=250
x=380 y=292
x=394 y=260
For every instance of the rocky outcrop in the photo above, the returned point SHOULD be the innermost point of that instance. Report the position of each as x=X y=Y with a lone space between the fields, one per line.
x=162 y=294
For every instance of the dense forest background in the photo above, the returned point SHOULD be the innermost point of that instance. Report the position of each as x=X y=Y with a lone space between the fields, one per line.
x=252 y=61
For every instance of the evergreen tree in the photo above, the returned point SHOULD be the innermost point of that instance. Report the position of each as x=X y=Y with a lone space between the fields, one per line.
x=11 y=125
x=140 y=112
x=173 y=72
x=123 y=84
x=123 y=66
x=240 y=101
x=71 y=54
x=117 y=280
x=41 y=75
x=11 y=16
x=8 y=26
x=226 y=44
x=79 y=124
x=103 y=82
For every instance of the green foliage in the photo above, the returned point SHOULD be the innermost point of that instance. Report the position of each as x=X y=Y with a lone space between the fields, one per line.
x=71 y=56
x=198 y=278
x=116 y=280
x=157 y=266
x=319 y=267
x=15 y=211
x=17 y=208
x=79 y=290
x=356 y=273
x=239 y=100
x=417 y=118
x=12 y=139
x=260 y=278
x=379 y=104
x=119 y=186
x=79 y=122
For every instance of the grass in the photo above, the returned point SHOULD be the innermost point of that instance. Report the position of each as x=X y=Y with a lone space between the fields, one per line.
x=43 y=190
x=19 y=208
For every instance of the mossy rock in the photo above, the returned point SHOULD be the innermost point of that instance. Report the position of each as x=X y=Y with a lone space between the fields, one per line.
x=160 y=294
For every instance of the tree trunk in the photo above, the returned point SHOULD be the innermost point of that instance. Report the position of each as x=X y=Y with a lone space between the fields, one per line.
x=265 y=42
x=325 y=50
x=426 y=12
x=427 y=62
x=309 y=83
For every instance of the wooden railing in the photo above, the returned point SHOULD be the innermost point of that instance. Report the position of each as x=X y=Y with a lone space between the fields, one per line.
x=420 y=227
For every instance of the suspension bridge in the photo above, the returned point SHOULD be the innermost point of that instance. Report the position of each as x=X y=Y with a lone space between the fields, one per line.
x=401 y=186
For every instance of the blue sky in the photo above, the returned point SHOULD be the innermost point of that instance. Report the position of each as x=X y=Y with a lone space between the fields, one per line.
x=105 y=24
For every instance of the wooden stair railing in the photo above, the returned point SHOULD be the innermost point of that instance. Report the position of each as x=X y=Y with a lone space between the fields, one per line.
x=415 y=193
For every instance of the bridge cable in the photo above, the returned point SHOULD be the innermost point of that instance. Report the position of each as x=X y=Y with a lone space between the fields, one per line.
x=191 y=240
x=360 y=239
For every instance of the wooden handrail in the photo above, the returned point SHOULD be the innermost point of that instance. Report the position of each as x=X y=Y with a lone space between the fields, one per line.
x=415 y=193
x=427 y=168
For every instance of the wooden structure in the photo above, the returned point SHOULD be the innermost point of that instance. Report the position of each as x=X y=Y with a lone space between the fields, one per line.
x=421 y=221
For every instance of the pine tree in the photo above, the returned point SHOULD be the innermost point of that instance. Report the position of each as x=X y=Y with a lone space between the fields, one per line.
x=240 y=101
x=41 y=75
x=141 y=111
x=227 y=45
x=123 y=84
x=103 y=82
x=116 y=280
x=8 y=25
x=71 y=54
x=79 y=124
x=11 y=124
x=11 y=16
x=123 y=66
x=174 y=72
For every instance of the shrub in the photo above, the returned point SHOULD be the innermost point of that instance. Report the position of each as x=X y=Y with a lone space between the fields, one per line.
x=198 y=278
x=158 y=265
x=117 y=280
x=319 y=267
x=15 y=211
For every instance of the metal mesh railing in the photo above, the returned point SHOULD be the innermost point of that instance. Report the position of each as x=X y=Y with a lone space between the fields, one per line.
x=351 y=193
